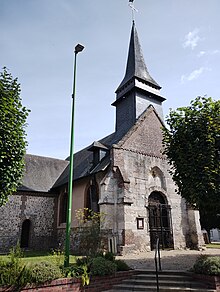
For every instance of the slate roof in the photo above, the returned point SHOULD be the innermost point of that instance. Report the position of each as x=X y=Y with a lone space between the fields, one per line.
x=41 y=173
x=136 y=67
x=83 y=160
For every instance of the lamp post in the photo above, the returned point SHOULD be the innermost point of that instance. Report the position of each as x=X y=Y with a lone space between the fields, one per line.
x=78 y=48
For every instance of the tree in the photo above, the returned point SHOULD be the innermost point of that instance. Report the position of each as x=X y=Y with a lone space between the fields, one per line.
x=192 y=146
x=12 y=135
x=209 y=220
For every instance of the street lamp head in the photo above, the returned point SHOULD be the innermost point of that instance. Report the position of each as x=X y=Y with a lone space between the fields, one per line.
x=78 y=48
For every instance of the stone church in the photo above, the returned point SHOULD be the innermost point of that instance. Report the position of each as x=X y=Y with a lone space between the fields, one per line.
x=123 y=175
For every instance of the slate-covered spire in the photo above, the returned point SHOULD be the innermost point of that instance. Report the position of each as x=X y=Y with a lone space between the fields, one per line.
x=136 y=67
x=137 y=91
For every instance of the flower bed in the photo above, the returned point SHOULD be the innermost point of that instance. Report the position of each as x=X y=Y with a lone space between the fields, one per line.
x=97 y=284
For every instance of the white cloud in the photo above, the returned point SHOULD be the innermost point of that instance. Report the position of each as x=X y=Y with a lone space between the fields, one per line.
x=208 y=53
x=193 y=75
x=192 y=39
x=201 y=53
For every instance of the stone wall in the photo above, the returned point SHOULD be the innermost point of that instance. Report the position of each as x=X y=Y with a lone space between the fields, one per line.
x=39 y=208
x=138 y=169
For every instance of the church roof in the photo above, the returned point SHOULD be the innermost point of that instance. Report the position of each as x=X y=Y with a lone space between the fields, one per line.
x=136 y=67
x=41 y=173
x=83 y=161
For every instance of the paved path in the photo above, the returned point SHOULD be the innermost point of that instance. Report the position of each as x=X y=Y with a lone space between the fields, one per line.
x=171 y=260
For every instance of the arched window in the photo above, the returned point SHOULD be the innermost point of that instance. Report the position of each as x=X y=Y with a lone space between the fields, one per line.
x=92 y=197
x=63 y=208
x=25 y=233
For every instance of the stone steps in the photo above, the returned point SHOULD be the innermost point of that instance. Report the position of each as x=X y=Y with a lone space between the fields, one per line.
x=174 y=281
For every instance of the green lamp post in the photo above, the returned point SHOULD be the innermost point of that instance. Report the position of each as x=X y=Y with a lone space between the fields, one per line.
x=78 y=48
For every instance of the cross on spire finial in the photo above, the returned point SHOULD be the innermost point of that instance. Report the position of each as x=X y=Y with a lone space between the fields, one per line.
x=131 y=4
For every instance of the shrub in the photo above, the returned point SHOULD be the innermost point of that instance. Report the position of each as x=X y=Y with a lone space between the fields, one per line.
x=207 y=265
x=109 y=256
x=58 y=257
x=100 y=267
x=12 y=271
x=79 y=270
x=44 y=271
x=88 y=235
x=121 y=265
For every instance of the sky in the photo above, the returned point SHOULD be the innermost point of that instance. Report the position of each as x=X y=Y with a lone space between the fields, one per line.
x=180 y=40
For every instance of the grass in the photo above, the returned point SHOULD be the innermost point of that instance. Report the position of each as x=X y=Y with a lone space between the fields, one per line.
x=38 y=256
x=213 y=245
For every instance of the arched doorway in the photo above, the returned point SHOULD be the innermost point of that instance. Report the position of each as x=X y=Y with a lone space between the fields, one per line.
x=25 y=233
x=160 y=221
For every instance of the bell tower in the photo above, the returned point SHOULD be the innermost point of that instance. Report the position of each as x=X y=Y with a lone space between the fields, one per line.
x=137 y=90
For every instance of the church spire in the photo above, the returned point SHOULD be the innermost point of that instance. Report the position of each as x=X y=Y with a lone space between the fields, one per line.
x=137 y=91
x=136 y=67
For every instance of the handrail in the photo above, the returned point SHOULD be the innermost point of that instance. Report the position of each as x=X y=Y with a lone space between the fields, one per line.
x=157 y=255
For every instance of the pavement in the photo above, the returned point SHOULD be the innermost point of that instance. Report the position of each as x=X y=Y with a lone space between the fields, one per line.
x=181 y=260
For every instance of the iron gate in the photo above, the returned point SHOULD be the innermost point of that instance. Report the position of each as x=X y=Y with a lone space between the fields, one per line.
x=160 y=225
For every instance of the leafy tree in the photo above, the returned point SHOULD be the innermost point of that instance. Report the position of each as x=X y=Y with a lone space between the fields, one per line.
x=12 y=135
x=209 y=220
x=192 y=146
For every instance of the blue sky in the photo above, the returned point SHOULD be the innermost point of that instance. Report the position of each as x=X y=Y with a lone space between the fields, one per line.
x=180 y=41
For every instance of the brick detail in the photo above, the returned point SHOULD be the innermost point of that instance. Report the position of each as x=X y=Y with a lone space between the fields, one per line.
x=97 y=284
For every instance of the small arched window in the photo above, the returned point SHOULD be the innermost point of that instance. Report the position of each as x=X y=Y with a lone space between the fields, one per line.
x=63 y=208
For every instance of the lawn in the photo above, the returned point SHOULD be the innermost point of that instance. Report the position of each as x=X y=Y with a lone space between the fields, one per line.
x=37 y=256
x=213 y=245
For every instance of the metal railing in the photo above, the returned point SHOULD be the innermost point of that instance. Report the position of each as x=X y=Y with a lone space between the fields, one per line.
x=157 y=260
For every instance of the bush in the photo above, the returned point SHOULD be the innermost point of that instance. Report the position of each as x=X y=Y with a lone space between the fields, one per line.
x=109 y=256
x=100 y=267
x=13 y=274
x=207 y=265
x=79 y=270
x=44 y=271
x=121 y=265
x=12 y=271
x=88 y=235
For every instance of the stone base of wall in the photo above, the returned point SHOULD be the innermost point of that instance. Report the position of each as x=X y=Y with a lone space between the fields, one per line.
x=97 y=284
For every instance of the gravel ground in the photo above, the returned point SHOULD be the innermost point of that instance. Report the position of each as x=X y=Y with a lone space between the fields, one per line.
x=170 y=260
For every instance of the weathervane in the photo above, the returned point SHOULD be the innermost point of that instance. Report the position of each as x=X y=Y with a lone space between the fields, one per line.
x=131 y=4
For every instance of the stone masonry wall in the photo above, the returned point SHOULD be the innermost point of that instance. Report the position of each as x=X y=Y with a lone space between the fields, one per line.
x=39 y=209
x=138 y=169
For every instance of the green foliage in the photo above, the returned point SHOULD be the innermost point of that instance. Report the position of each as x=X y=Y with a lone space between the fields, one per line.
x=121 y=265
x=207 y=265
x=79 y=270
x=12 y=135
x=44 y=271
x=12 y=271
x=109 y=256
x=100 y=267
x=209 y=220
x=57 y=257
x=88 y=233
x=192 y=146
x=13 y=274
